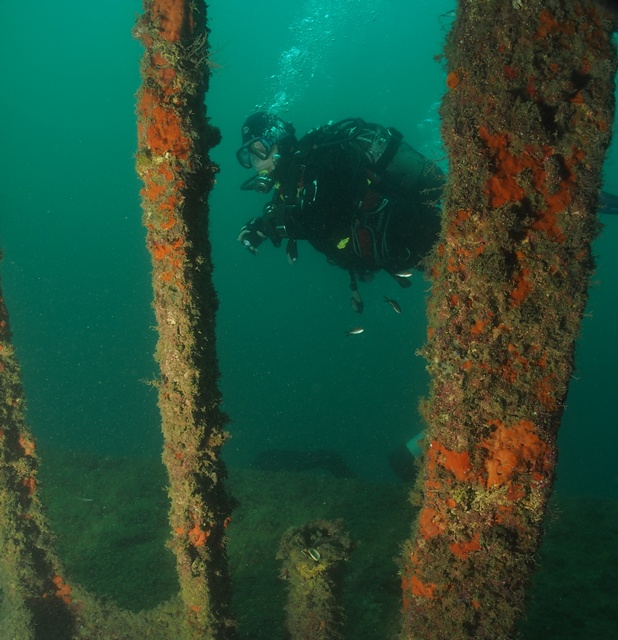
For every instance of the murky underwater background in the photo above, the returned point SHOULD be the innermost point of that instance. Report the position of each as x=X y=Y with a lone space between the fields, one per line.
x=75 y=276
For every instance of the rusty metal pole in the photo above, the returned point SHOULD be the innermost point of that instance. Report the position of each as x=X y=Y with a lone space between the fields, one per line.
x=526 y=122
x=174 y=139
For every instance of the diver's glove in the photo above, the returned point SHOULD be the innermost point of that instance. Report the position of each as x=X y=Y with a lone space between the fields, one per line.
x=254 y=233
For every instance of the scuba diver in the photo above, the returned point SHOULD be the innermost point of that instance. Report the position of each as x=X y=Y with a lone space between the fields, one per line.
x=356 y=191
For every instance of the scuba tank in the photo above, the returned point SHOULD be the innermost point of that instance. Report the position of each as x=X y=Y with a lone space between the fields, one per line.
x=382 y=149
x=379 y=144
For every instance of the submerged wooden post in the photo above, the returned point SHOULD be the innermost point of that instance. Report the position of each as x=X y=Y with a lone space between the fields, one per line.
x=526 y=121
x=37 y=603
x=174 y=138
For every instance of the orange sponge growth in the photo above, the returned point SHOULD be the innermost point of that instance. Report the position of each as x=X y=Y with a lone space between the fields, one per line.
x=514 y=450
x=27 y=444
x=452 y=80
x=165 y=135
x=173 y=18
x=536 y=170
x=458 y=464
x=63 y=590
x=462 y=549
x=431 y=523
x=502 y=186
x=198 y=536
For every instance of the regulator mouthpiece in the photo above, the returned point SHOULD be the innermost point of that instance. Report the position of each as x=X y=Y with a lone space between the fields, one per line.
x=262 y=183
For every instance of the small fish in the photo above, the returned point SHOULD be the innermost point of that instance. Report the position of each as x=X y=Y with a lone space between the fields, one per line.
x=405 y=273
x=354 y=332
x=394 y=304
x=312 y=553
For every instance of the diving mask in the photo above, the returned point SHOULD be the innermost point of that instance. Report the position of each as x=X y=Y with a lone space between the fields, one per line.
x=261 y=154
x=258 y=148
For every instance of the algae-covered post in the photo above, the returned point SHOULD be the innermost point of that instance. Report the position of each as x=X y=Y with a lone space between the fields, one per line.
x=527 y=118
x=174 y=139
x=313 y=561
x=35 y=597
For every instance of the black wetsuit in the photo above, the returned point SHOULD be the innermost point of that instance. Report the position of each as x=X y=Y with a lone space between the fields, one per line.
x=330 y=194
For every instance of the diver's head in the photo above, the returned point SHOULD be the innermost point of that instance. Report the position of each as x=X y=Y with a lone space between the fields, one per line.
x=266 y=139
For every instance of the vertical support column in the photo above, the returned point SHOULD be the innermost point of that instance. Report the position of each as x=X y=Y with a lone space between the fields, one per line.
x=37 y=602
x=313 y=562
x=526 y=121
x=174 y=138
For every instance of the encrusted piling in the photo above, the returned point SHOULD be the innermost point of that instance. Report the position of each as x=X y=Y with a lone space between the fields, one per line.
x=174 y=139
x=526 y=121
x=37 y=602
x=313 y=558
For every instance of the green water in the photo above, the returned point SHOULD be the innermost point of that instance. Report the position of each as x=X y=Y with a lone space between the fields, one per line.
x=76 y=280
